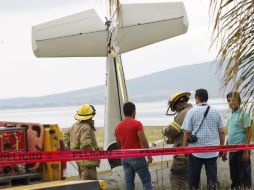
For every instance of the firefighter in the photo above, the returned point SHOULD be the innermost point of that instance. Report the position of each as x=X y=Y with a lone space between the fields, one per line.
x=178 y=104
x=81 y=137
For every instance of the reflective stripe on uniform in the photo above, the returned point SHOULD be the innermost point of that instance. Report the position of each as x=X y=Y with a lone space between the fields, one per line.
x=176 y=126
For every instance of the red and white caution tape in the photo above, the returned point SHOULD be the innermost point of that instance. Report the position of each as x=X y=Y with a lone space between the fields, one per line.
x=32 y=157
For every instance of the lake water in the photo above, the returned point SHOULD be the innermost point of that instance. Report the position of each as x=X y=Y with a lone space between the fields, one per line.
x=151 y=113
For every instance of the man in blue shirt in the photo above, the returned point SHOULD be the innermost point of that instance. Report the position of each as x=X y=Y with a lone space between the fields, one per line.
x=239 y=132
x=209 y=130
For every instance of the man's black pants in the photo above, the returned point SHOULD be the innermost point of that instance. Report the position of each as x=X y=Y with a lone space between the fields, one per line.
x=195 y=166
x=240 y=171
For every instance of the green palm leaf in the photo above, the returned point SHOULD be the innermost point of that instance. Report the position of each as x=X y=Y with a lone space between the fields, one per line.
x=233 y=32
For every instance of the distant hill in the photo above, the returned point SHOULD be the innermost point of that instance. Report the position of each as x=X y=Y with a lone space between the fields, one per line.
x=153 y=87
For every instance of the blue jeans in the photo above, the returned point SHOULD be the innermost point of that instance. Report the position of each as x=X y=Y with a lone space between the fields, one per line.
x=195 y=166
x=136 y=165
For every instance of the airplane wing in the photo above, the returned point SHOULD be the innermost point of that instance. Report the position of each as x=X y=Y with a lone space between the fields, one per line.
x=78 y=35
x=85 y=35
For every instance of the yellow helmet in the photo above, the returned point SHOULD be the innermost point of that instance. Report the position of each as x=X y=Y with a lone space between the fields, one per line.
x=178 y=97
x=85 y=112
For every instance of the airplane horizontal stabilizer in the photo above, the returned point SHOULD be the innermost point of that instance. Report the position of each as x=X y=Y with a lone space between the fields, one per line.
x=145 y=24
x=79 y=35
x=85 y=35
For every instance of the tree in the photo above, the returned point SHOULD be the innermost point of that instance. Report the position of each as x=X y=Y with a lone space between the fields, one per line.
x=233 y=32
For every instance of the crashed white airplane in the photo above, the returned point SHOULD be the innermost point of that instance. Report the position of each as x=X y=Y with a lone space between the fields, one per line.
x=86 y=35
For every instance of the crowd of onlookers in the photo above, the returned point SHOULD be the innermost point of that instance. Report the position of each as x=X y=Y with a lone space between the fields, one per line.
x=199 y=125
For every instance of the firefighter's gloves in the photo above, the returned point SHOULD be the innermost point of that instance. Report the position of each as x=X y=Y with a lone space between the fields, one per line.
x=164 y=131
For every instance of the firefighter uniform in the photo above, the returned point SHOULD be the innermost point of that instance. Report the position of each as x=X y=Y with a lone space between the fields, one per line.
x=174 y=133
x=81 y=137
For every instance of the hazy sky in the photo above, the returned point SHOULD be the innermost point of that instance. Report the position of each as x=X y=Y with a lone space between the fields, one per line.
x=22 y=74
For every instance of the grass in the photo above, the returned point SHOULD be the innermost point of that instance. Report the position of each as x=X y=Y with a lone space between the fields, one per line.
x=99 y=133
x=153 y=133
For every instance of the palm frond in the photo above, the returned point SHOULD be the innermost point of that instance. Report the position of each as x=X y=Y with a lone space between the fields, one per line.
x=233 y=32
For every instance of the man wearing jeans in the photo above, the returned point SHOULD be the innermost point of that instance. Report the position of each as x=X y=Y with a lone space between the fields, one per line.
x=130 y=135
x=209 y=132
